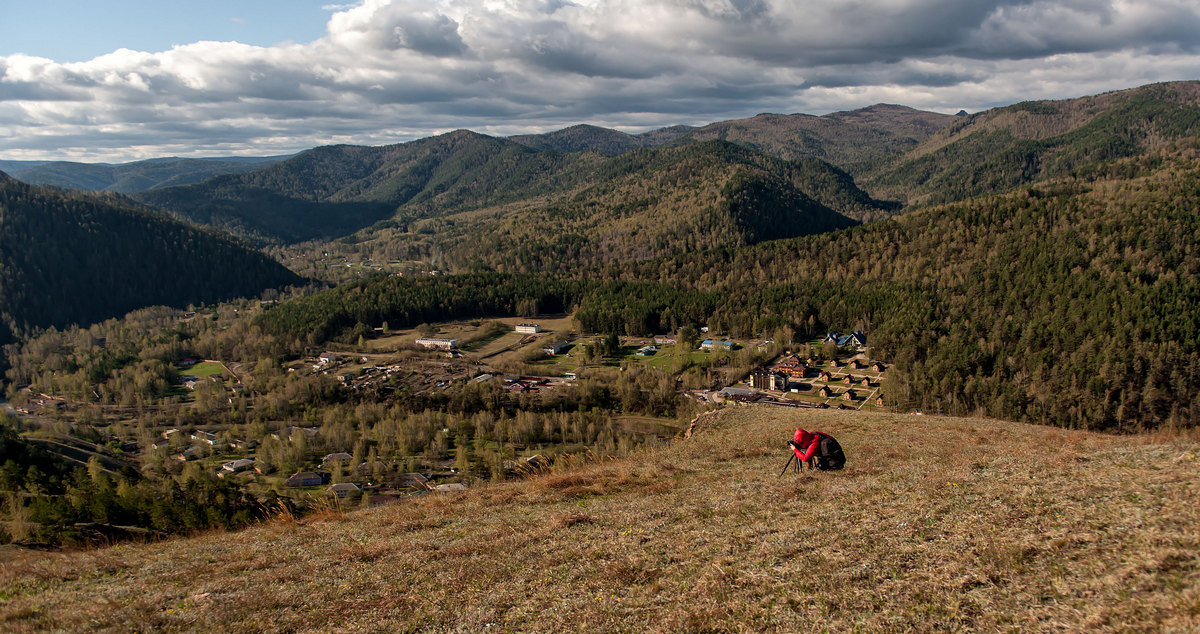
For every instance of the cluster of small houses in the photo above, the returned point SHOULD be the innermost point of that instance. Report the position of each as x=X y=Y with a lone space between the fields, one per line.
x=790 y=372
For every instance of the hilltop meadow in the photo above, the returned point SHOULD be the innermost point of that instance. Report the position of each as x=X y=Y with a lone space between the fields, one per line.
x=936 y=524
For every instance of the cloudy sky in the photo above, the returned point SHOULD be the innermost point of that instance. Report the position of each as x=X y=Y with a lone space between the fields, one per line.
x=130 y=79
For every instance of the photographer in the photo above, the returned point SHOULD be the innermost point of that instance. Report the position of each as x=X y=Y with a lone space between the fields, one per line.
x=818 y=450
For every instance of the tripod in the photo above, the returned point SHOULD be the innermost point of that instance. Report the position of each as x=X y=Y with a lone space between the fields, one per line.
x=789 y=463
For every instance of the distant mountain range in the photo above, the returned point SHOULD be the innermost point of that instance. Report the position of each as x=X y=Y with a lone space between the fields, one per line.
x=70 y=257
x=484 y=201
x=590 y=195
x=131 y=177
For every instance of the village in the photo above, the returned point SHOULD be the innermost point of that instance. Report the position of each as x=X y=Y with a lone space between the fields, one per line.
x=529 y=359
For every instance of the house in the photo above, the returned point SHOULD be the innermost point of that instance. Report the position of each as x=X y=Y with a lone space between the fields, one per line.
x=529 y=329
x=307 y=479
x=833 y=363
x=825 y=392
x=854 y=365
x=849 y=395
x=737 y=394
x=848 y=379
x=664 y=340
x=345 y=489
x=825 y=376
x=878 y=367
x=170 y=432
x=865 y=382
x=555 y=347
x=191 y=453
x=326 y=358
x=245 y=445
x=879 y=402
x=236 y=466
x=203 y=436
x=340 y=457
x=188 y=362
x=646 y=351
x=484 y=378
x=760 y=379
x=793 y=372
x=709 y=344
x=855 y=339
x=410 y=481
x=780 y=381
x=291 y=430
x=437 y=343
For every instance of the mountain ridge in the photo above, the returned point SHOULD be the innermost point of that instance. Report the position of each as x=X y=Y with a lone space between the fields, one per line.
x=69 y=257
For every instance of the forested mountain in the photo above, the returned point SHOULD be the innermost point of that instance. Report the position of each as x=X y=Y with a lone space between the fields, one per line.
x=855 y=141
x=1008 y=147
x=68 y=257
x=12 y=168
x=642 y=204
x=582 y=138
x=458 y=191
x=1068 y=304
x=590 y=138
x=333 y=191
x=133 y=177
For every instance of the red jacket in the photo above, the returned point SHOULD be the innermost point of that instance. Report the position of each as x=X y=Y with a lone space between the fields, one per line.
x=809 y=443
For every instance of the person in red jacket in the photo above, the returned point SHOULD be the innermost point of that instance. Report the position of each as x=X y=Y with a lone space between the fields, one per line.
x=818 y=450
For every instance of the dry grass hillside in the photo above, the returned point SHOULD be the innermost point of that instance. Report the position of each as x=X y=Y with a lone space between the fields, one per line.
x=936 y=524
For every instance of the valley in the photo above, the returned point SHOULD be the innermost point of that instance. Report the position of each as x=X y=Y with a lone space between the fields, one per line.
x=555 y=333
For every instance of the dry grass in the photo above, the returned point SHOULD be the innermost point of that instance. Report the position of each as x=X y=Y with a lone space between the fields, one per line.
x=937 y=524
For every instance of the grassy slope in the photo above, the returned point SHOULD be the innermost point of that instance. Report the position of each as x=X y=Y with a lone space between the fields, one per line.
x=1096 y=532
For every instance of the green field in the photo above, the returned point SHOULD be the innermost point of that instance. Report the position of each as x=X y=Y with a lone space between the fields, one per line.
x=203 y=369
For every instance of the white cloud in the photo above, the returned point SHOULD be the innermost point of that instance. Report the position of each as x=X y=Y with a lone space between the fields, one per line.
x=391 y=71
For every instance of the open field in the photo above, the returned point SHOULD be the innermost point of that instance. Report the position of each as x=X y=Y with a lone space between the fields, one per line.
x=204 y=368
x=936 y=524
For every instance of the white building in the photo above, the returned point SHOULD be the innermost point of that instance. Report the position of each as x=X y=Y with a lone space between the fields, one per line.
x=529 y=329
x=436 y=343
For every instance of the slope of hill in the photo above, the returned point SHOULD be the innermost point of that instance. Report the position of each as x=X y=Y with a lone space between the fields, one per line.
x=333 y=191
x=1008 y=147
x=15 y=167
x=581 y=138
x=1066 y=304
x=74 y=258
x=854 y=140
x=935 y=524
x=464 y=189
x=641 y=204
x=136 y=176
x=590 y=138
